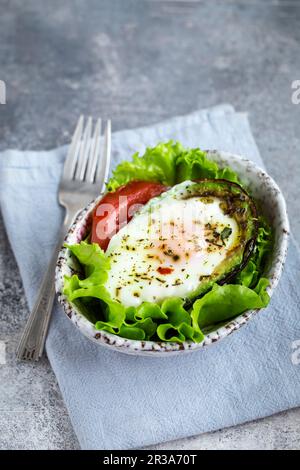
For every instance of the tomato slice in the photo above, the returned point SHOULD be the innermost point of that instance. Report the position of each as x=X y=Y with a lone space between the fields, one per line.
x=117 y=208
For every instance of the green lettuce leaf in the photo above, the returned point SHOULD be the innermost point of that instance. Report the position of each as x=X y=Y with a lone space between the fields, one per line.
x=147 y=309
x=250 y=275
x=168 y=163
x=179 y=333
x=94 y=260
x=193 y=164
x=178 y=327
x=88 y=293
x=95 y=263
x=142 y=329
x=225 y=302
x=157 y=164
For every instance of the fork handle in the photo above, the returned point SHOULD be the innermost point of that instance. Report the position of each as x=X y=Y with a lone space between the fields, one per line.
x=32 y=342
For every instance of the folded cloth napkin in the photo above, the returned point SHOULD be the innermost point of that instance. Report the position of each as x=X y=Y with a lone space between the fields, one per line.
x=118 y=401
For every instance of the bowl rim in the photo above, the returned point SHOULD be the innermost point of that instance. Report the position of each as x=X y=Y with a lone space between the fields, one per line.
x=166 y=348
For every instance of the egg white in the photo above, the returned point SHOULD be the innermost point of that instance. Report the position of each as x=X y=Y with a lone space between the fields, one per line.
x=172 y=234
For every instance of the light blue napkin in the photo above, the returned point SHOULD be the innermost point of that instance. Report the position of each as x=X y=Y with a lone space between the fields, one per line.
x=117 y=401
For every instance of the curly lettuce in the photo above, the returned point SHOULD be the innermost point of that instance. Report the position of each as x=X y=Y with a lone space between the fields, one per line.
x=168 y=321
x=251 y=273
x=169 y=163
x=157 y=164
x=225 y=302
x=172 y=320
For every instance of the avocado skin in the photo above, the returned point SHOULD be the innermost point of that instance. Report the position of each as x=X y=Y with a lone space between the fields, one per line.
x=238 y=204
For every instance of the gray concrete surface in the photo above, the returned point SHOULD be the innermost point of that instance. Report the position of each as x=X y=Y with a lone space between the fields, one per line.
x=138 y=61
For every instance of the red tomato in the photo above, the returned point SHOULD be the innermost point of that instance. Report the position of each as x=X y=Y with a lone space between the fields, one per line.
x=116 y=208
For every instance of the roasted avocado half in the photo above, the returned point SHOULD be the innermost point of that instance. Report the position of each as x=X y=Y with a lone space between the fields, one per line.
x=180 y=243
x=236 y=204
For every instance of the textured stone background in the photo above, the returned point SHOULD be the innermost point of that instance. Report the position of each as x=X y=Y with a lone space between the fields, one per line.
x=138 y=61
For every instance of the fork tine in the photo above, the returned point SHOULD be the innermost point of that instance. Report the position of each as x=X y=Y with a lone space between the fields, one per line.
x=84 y=151
x=92 y=164
x=104 y=158
x=70 y=162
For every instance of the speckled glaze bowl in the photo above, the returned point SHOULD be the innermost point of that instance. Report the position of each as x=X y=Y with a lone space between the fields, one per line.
x=270 y=202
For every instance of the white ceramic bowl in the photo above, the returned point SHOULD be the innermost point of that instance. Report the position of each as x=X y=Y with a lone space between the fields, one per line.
x=270 y=202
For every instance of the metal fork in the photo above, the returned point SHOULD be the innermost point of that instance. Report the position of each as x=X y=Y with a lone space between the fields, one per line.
x=84 y=174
